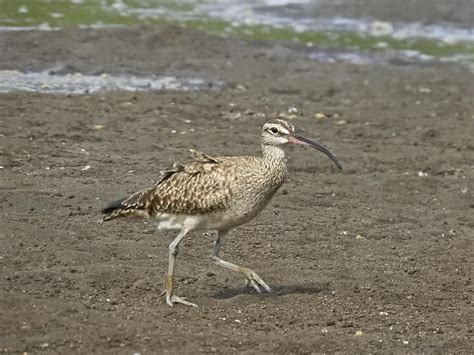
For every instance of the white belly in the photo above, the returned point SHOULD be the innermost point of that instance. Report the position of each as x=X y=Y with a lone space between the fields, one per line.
x=175 y=222
x=167 y=221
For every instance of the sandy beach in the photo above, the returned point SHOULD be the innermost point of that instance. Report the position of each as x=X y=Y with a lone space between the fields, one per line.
x=374 y=258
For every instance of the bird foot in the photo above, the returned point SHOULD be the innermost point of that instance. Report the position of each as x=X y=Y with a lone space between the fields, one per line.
x=253 y=280
x=172 y=299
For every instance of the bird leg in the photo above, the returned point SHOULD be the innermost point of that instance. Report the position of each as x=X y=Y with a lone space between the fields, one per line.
x=251 y=277
x=173 y=252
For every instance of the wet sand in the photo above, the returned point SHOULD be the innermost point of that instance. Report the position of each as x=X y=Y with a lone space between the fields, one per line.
x=376 y=258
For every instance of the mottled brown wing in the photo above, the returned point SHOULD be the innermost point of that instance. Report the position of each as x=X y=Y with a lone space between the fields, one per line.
x=196 y=188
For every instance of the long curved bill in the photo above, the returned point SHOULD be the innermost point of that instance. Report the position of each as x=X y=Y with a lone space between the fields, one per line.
x=296 y=139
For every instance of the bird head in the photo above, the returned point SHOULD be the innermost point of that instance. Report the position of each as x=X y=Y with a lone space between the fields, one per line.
x=280 y=133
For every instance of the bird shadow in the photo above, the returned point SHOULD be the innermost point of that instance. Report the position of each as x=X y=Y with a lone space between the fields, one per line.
x=277 y=290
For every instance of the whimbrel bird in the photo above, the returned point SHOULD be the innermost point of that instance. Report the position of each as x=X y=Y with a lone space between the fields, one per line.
x=215 y=193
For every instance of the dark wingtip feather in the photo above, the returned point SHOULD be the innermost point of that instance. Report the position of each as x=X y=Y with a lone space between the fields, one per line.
x=116 y=205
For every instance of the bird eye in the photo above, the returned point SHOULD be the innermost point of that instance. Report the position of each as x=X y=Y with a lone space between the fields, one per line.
x=274 y=130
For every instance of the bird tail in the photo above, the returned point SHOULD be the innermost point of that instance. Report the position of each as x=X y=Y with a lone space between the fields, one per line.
x=118 y=209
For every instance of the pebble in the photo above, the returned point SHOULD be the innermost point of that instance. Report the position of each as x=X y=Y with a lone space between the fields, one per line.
x=381 y=28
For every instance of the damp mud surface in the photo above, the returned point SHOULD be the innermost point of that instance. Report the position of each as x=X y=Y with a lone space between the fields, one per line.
x=374 y=258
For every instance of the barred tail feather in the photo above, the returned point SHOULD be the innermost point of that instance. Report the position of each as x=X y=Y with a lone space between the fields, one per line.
x=118 y=209
x=113 y=206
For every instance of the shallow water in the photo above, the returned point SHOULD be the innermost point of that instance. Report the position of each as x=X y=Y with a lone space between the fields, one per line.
x=82 y=84
x=270 y=19
x=357 y=40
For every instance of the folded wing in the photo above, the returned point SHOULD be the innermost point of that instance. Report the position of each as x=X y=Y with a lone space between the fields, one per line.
x=199 y=187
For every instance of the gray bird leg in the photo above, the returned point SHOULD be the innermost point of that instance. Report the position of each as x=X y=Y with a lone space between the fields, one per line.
x=173 y=252
x=252 y=279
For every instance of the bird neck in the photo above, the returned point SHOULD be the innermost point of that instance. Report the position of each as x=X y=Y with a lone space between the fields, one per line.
x=273 y=154
x=274 y=163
